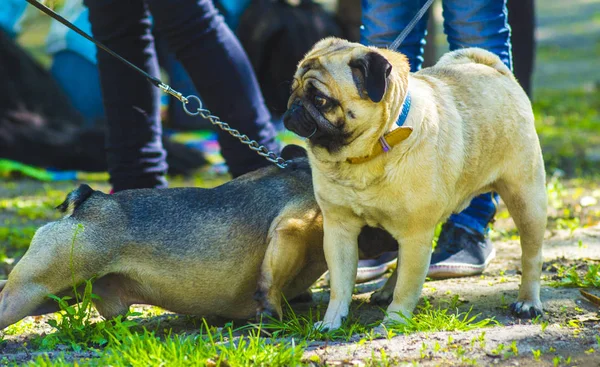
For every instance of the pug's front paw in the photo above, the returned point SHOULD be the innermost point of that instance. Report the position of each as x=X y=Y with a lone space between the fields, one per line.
x=526 y=309
x=329 y=325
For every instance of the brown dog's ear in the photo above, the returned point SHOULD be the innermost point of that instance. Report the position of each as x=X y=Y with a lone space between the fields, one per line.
x=375 y=70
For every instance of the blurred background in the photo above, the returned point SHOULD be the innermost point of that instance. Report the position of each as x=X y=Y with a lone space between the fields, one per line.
x=556 y=52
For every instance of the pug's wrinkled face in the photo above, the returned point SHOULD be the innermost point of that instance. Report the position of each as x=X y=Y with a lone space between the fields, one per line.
x=340 y=95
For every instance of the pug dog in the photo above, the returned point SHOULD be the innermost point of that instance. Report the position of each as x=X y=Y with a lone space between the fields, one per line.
x=232 y=251
x=402 y=151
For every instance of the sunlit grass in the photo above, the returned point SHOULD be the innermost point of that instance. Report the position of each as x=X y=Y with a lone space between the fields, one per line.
x=447 y=317
x=208 y=348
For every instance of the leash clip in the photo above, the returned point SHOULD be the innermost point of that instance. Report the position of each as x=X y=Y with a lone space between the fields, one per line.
x=167 y=89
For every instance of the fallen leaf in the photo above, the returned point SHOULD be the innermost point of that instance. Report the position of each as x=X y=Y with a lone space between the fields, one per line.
x=590 y=297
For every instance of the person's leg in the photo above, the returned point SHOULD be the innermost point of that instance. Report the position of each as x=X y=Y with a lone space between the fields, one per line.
x=136 y=158
x=521 y=17
x=384 y=20
x=179 y=80
x=222 y=74
x=72 y=71
x=462 y=248
x=478 y=23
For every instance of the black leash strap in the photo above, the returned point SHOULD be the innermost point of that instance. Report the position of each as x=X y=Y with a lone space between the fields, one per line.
x=156 y=82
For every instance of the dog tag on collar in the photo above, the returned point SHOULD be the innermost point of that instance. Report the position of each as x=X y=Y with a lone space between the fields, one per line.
x=397 y=135
x=386 y=143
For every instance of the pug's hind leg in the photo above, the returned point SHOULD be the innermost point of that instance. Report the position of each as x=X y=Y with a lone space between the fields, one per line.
x=415 y=255
x=385 y=295
x=527 y=206
x=285 y=257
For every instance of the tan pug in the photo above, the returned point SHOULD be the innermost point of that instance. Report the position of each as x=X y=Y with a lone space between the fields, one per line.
x=467 y=128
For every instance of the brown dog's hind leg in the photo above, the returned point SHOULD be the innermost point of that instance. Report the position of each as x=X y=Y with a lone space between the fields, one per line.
x=527 y=206
x=294 y=257
x=283 y=260
x=45 y=270
x=18 y=300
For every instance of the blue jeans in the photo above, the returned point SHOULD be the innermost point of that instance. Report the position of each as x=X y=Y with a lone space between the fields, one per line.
x=72 y=71
x=214 y=60
x=467 y=23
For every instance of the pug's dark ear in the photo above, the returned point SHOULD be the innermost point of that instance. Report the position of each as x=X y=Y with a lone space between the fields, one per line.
x=375 y=70
x=292 y=151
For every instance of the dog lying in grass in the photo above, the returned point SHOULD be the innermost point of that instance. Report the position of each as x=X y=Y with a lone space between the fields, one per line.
x=231 y=251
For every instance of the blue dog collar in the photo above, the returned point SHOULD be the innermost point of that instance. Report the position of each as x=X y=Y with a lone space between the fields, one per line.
x=405 y=110
x=401 y=120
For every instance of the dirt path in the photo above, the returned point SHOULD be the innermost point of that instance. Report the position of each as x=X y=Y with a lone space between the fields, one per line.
x=489 y=295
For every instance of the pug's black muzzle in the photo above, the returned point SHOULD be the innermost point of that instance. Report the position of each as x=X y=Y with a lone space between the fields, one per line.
x=299 y=121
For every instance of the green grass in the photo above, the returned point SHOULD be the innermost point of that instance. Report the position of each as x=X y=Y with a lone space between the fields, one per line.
x=32 y=207
x=427 y=318
x=568 y=124
x=205 y=349
x=301 y=326
x=569 y=277
x=15 y=241
x=442 y=318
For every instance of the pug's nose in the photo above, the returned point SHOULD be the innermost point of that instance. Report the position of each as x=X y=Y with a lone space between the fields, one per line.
x=294 y=107
x=289 y=115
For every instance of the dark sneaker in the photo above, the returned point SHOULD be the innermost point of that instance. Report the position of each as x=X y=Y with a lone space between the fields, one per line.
x=460 y=253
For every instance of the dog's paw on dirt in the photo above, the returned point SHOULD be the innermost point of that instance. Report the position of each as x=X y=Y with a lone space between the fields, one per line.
x=525 y=310
x=326 y=326
x=382 y=297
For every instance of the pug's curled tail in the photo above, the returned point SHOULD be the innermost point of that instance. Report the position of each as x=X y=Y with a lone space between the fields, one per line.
x=478 y=56
x=75 y=198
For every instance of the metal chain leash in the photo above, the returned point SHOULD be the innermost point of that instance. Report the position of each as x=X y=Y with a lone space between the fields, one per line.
x=215 y=120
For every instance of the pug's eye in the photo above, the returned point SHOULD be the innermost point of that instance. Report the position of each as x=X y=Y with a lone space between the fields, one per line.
x=320 y=101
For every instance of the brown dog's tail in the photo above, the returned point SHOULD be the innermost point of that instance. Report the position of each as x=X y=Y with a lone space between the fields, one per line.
x=478 y=56
x=75 y=198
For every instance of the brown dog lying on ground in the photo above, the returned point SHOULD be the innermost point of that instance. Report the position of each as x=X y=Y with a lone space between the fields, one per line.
x=402 y=151
x=204 y=252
